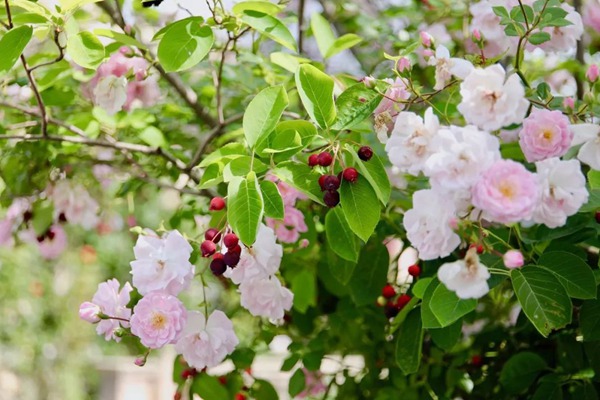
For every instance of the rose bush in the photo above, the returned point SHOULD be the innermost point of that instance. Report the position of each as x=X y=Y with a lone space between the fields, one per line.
x=435 y=210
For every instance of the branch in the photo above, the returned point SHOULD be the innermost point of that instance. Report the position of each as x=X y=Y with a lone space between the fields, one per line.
x=61 y=52
x=300 y=26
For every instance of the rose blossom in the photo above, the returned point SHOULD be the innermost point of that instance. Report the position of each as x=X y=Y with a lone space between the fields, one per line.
x=162 y=263
x=288 y=230
x=563 y=191
x=206 y=343
x=158 y=319
x=111 y=93
x=491 y=101
x=591 y=14
x=445 y=67
x=592 y=73
x=467 y=278
x=74 y=201
x=513 y=259
x=427 y=225
x=506 y=192
x=112 y=303
x=409 y=145
x=589 y=136
x=266 y=298
x=259 y=261
x=545 y=134
x=564 y=38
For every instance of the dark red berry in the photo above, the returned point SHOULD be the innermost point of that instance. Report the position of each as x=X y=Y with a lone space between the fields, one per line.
x=237 y=249
x=218 y=266
x=177 y=396
x=477 y=360
x=478 y=247
x=331 y=199
x=414 y=270
x=390 y=310
x=62 y=217
x=40 y=238
x=388 y=291
x=231 y=259
x=598 y=216
x=322 y=182
x=331 y=182
x=230 y=240
x=223 y=380
x=313 y=160
x=208 y=248
x=213 y=235
x=325 y=159
x=27 y=215
x=240 y=396
x=402 y=301
x=50 y=234
x=351 y=175
x=217 y=204
x=365 y=153
x=189 y=373
x=217 y=256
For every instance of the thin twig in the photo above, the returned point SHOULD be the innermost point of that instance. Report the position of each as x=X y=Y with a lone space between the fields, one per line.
x=61 y=52
x=300 y=26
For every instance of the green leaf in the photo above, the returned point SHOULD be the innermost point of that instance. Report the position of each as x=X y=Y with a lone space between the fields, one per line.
x=594 y=179
x=69 y=6
x=43 y=216
x=340 y=237
x=209 y=387
x=263 y=113
x=269 y=26
x=589 y=320
x=322 y=33
x=573 y=272
x=224 y=154
x=316 y=92
x=282 y=143
x=245 y=207
x=549 y=391
x=297 y=383
x=305 y=290
x=288 y=61
x=343 y=43
x=354 y=105
x=370 y=274
x=302 y=177
x=341 y=270
x=374 y=171
x=446 y=338
x=448 y=308
x=521 y=371
x=243 y=357
x=544 y=300
x=35 y=8
x=161 y=32
x=212 y=176
x=241 y=166
x=264 y=7
x=539 y=38
x=409 y=343
x=12 y=45
x=86 y=50
x=153 y=137
x=360 y=207
x=119 y=37
x=418 y=289
x=272 y=198
x=184 y=45
x=264 y=390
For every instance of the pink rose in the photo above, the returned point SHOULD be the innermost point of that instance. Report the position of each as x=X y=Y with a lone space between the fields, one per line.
x=158 y=319
x=545 y=134
x=513 y=259
x=113 y=304
x=288 y=230
x=506 y=192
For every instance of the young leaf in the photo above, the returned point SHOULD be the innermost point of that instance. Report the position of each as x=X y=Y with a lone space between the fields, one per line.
x=409 y=343
x=272 y=199
x=360 y=207
x=322 y=32
x=264 y=7
x=340 y=237
x=343 y=43
x=288 y=138
x=184 y=45
x=269 y=26
x=573 y=272
x=86 y=49
x=245 y=207
x=316 y=92
x=544 y=300
x=354 y=105
x=263 y=113
x=119 y=37
x=12 y=45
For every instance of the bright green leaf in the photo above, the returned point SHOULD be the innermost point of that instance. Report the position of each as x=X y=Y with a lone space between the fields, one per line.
x=263 y=113
x=340 y=237
x=12 y=45
x=360 y=207
x=282 y=143
x=316 y=92
x=265 y=7
x=354 y=105
x=269 y=26
x=374 y=171
x=245 y=207
x=305 y=290
x=153 y=136
x=272 y=198
x=322 y=32
x=86 y=49
x=119 y=37
x=343 y=43
x=184 y=45
x=302 y=177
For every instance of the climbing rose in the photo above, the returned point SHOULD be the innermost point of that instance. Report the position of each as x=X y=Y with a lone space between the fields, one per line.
x=266 y=298
x=111 y=93
x=545 y=134
x=112 y=303
x=75 y=203
x=467 y=278
x=158 y=319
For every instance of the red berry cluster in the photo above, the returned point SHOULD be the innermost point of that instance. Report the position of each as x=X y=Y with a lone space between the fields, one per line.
x=221 y=261
x=392 y=306
x=331 y=183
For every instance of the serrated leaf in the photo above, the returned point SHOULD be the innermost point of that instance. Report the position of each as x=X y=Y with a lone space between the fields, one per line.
x=245 y=207
x=316 y=92
x=263 y=113
x=574 y=273
x=274 y=207
x=184 y=45
x=360 y=207
x=340 y=237
x=543 y=299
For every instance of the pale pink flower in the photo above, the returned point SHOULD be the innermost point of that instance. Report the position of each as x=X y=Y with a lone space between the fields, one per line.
x=111 y=93
x=266 y=297
x=158 y=319
x=490 y=101
x=588 y=135
x=54 y=243
x=162 y=263
x=513 y=259
x=259 y=261
x=288 y=230
x=425 y=38
x=410 y=143
x=397 y=91
x=467 y=278
x=74 y=201
x=591 y=14
x=506 y=192
x=112 y=303
x=476 y=34
x=205 y=343
x=569 y=102
x=446 y=67
x=394 y=246
x=288 y=193
x=562 y=83
x=427 y=225
x=408 y=258
x=313 y=384
x=403 y=64
x=592 y=73
x=487 y=23
x=563 y=191
x=6 y=232
x=545 y=134
x=89 y=312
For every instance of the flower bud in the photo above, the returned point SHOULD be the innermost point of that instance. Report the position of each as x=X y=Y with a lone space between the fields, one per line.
x=592 y=73
x=513 y=259
x=89 y=312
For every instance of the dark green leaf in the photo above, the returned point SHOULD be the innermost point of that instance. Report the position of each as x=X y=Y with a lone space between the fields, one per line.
x=297 y=383
x=272 y=199
x=409 y=342
x=370 y=274
x=521 y=371
x=340 y=237
x=573 y=272
x=360 y=207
